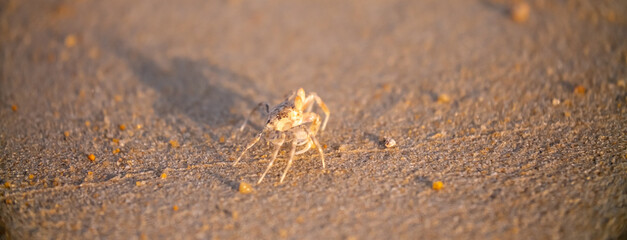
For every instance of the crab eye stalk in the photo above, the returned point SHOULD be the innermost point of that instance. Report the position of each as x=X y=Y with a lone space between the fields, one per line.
x=298 y=103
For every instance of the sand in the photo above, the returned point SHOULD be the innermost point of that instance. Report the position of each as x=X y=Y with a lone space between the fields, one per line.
x=522 y=118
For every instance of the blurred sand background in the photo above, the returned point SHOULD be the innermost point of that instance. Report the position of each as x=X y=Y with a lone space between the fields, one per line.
x=522 y=118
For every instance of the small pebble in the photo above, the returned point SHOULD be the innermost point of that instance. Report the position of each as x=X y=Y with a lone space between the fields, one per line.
x=621 y=83
x=444 y=98
x=70 y=40
x=389 y=142
x=283 y=233
x=520 y=12
x=245 y=188
x=437 y=135
x=556 y=102
x=580 y=90
x=438 y=185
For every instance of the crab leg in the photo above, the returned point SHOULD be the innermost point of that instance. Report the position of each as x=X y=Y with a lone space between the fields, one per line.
x=251 y=144
x=308 y=104
x=324 y=109
x=313 y=138
x=276 y=151
x=253 y=111
x=305 y=149
x=289 y=162
x=315 y=125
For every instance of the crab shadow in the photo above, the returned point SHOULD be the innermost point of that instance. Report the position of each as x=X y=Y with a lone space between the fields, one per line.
x=193 y=90
x=210 y=95
x=197 y=89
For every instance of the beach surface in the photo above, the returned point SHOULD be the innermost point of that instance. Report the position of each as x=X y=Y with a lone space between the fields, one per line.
x=120 y=119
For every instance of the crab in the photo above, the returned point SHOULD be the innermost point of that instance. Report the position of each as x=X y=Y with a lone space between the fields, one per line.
x=293 y=122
